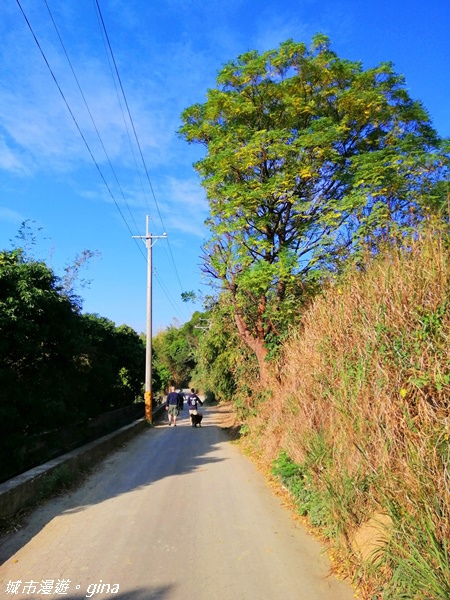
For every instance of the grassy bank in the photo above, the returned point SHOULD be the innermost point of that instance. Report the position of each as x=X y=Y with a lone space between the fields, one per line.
x=358 y=425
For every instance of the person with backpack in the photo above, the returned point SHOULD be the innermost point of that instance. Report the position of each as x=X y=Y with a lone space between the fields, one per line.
x=193 y=401
x=181 y=399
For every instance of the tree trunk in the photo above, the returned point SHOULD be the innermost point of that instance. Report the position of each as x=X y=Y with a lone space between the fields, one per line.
x=256 y=345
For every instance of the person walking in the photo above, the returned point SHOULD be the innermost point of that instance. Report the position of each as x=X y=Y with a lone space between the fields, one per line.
x=172 y=405
x=193 y=401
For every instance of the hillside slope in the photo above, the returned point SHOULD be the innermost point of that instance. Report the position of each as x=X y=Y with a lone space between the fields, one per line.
x=358 y=425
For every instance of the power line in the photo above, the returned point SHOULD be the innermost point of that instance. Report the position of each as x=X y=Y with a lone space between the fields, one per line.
x=108 y=57
x=91 y=117
x=128 y=109
x=135 y=135
x=167 y=294
x=98 y=134
x=71 y=114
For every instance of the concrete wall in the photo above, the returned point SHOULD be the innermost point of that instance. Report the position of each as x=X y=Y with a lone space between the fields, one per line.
x=41 y=448
x=26 y=489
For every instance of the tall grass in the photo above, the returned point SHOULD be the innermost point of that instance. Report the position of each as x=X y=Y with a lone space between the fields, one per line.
x=363 y=410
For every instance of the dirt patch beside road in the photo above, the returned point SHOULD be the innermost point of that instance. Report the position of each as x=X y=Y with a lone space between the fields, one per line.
x=225 y=417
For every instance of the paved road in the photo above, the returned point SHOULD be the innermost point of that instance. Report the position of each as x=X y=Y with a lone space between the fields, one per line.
x=176 y=514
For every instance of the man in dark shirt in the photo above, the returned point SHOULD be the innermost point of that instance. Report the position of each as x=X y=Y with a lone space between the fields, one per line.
x=172 y=406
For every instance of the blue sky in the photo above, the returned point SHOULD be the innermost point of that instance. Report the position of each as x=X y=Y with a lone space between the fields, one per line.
x=168 y=54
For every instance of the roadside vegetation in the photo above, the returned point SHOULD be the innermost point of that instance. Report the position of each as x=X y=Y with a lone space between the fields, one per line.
x=358 y=423
x=329 y=213
x=309 y=160
x=328 y=326
x=354 y=420
x=57 y=365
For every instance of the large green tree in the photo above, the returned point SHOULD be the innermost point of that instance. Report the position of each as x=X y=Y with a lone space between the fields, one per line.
x=226 y=368
x=308 y=156
x=174 y=352
x=40 y=344
x=57 y=366
x=114 y=364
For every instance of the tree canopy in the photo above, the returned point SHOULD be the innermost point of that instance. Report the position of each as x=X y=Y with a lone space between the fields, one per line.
x=309 y=157
x=57 y=366
x=174 y=349
x=39 y=342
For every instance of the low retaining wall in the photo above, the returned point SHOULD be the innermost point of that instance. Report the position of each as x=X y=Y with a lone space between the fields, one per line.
x=26 y=489
x=44 y=447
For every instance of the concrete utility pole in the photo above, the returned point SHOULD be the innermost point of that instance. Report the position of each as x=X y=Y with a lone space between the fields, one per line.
x=148 y=396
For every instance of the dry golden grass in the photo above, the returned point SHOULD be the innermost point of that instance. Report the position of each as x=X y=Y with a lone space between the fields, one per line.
x=365 y=392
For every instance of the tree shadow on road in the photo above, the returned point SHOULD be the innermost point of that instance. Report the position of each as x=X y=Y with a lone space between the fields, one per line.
x=154 y=454
x=154 y=593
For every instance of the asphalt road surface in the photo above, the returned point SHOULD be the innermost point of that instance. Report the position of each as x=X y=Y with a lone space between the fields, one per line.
x=178 y=514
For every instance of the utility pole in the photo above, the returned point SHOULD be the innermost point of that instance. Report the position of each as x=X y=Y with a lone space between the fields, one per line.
x=148 y=396
x=202 y=326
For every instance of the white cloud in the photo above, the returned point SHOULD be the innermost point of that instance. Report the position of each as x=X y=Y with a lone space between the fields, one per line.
x=10 y=216
x=9 y=160
x=40 y=129
x=187 y=207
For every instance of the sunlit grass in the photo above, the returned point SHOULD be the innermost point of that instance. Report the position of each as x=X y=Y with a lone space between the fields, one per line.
x=359 y=422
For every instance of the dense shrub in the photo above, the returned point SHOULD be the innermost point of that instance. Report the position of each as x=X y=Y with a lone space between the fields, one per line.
x=57 y=366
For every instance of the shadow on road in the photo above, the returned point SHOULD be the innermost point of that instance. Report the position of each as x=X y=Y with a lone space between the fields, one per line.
x=157 y=453
x=153 y=593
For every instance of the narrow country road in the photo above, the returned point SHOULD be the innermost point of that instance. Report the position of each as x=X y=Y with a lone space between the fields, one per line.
x=176 y=514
